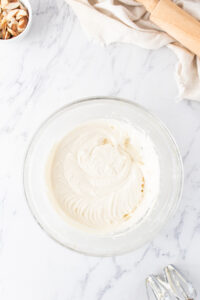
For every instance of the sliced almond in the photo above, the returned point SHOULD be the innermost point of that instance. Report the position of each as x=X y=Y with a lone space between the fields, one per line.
x=21 y=13
x=12 y=14
x=22 y=23
x=7 y=35
x=3 y=22
x=14 y=27
x=12 y=5
x=22 y=6
x=4 y=3
x=3 y=33
x=14 y=33
x=11 y=21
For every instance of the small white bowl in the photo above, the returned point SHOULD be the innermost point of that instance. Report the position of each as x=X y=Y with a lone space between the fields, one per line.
x=26 y=30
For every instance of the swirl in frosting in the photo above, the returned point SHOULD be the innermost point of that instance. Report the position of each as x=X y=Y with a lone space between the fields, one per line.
x=104 y=176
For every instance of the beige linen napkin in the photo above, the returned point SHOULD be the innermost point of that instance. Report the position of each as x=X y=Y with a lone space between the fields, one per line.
x=126 y=21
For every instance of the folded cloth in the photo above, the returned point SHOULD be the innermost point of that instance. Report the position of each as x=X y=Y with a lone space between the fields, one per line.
x=127 y=21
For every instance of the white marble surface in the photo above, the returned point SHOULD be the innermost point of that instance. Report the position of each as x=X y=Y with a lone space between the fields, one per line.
x=54 y=65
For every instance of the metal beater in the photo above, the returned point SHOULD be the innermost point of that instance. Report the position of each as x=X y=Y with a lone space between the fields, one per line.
x=171 y=286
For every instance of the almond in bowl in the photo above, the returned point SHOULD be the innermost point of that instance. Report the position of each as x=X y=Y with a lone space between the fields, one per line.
x=14 y=18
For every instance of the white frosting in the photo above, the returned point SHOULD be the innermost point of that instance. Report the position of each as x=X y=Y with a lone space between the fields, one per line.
x=104 y=176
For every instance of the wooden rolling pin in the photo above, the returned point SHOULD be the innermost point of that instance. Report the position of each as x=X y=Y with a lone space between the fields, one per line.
x=176 y=22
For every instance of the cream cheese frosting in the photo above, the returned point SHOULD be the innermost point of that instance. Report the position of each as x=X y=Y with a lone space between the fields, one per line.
x=103 y=176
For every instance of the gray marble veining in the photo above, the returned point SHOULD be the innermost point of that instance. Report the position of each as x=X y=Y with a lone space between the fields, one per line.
x=54 y=65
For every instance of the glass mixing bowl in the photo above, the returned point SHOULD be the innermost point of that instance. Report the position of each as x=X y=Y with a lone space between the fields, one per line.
x=55 y=128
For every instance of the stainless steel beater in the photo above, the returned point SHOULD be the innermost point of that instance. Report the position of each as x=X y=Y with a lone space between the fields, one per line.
x=171 y=286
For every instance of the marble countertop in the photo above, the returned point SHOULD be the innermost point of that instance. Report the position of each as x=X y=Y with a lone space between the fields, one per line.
x=54 y=65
